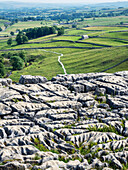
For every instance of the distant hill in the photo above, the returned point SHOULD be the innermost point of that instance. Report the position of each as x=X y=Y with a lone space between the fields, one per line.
x=14 y=4
x=111 y=4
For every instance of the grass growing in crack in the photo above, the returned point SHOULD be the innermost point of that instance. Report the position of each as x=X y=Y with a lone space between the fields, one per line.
x=10 y=160
x=41 y=147
x=111 y=164
x=1 y=163
x=86 y=118
x=54 y=130
x=119 y=150
x=123 y=123
x=37 y=157
x=104 y=129
x=84 y=150
x=125 y=167
x=66 y=160
x=69 y=126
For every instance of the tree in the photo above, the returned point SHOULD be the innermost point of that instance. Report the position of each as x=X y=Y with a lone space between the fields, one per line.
x=121 y=23
x=24 y=39
x=16 y=20
x=74 y=25
x=82 y=18
x=22 y=55
x=17 y=63
x=9 y=42
x=5 y=25
x=2 y=70
x=52 y=30
x=60 y=31
x=1 y=59
x=0 y=29
x=19 y=39
x=12 y=33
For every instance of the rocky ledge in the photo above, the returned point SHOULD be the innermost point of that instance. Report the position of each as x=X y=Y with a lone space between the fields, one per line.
x=73 y=122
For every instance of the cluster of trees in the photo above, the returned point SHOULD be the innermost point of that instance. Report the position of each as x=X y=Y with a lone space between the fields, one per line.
x=9 y=41
x=39 y=32
x=32 y=33
x=21 y=38
x=60 y=31
x=16 y=60
x=62 y=14
x=2 y=68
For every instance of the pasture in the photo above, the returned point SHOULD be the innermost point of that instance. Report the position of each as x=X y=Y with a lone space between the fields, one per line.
x=45 y=62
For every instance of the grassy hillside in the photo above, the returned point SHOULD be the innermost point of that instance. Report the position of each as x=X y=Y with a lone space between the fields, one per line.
x=104 y=21
x=75 y=61
x=95 y=60
x=45 y=62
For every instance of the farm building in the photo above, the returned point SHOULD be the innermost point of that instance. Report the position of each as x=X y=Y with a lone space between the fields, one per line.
x=84 y=37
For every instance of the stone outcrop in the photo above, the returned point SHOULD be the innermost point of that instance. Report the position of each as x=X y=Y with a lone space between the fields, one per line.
x=76 y=121
x=5 y=82
x=28 y=79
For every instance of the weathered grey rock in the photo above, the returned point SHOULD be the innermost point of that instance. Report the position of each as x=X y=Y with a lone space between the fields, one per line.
x=66 y=104
x=103 y=105
x=28 y=107
x=67 y=116
x=97 y=137
x=77 y=88
x=26 y=89
x=28 y=79
x=12 y=152
x=100 y=91
x=122 y=73
x=5 y=82
x=87 y=85
x=2 y=133
x=116 y=163
x=126 y=128
x=116 y=102
x=10 y=95
x=15 y=165
x=4 y=110
x=51 y=165
x=73 y=164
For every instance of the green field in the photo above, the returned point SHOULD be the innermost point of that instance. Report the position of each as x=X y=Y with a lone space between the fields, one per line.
x=105 y=28
x=25 y=25
x=94 y=60
x=121 y=35
x=45 y=62
x=107 y=41
x=104 y=21
x=75 y=61
x=46 y=65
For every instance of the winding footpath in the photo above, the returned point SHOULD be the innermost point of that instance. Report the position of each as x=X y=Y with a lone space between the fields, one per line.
x=60 y=55
x=62 y=64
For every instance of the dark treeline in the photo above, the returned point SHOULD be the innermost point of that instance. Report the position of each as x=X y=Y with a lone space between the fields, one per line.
x=39 y=32
x=38 y=15
x=31 y=33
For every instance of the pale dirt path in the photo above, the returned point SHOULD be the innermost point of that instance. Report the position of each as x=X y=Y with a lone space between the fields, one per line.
x=59 y=57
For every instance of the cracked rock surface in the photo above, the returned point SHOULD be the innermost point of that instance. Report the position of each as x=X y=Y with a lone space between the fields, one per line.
x=75 y=122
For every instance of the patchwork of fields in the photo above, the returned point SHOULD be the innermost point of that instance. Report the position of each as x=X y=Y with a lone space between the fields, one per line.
x=106 y=47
